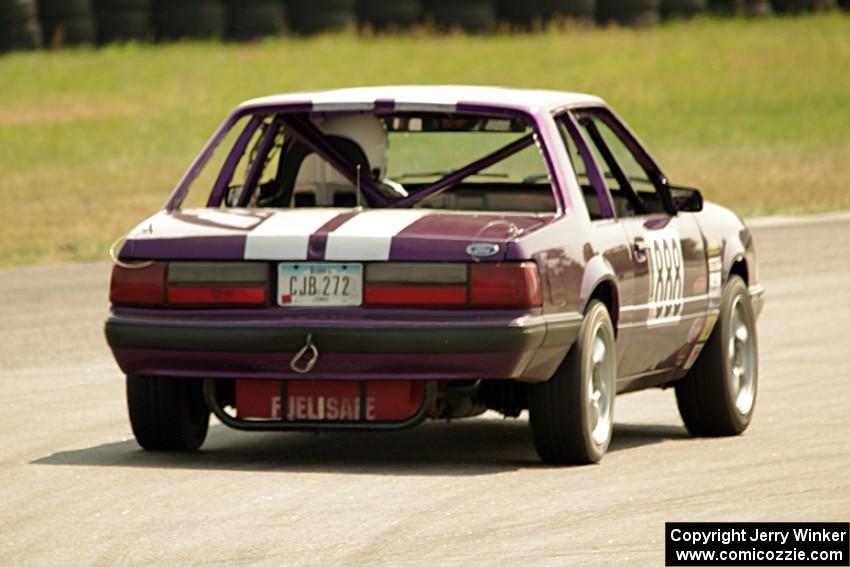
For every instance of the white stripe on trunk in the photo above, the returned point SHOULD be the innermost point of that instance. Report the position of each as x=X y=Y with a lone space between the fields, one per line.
x=369 y=235
x=286 y=235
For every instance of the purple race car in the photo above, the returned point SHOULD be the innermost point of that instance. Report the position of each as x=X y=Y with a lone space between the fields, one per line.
x=369 y=258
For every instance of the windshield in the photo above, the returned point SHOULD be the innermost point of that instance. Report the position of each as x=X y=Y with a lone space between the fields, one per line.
x=404 y=160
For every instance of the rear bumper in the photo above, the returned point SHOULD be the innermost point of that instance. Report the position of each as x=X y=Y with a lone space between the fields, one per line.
x=377 y=345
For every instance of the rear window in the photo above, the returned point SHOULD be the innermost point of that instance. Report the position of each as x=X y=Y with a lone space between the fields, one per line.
x=407 y=160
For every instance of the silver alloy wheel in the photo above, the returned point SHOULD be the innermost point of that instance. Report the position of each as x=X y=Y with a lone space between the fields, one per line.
x=742 y=358
x=601 y=386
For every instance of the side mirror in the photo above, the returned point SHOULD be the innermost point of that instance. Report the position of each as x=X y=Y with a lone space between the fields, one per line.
x=686 y=199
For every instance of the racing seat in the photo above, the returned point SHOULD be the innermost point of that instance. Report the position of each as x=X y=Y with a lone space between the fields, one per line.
x=279 y=192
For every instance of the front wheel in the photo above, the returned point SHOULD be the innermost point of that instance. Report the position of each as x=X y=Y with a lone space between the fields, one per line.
x=167 y=414
x=718 y=395
x=572 y=415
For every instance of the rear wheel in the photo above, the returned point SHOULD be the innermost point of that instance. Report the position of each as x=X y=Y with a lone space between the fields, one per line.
x=718 y=395
x=572 y=415
x=167 y=414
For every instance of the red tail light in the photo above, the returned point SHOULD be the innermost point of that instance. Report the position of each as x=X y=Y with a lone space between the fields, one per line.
x=505 y=285
x=216 y=295
x=138 y=286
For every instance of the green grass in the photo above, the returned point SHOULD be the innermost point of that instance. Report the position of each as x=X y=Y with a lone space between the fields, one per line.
x=756 y=113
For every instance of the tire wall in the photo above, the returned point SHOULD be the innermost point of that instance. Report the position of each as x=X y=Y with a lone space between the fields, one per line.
x=316 y=16
x=122 y=20
x=683 y=8
x=67 y=22
x=254 y=19
x=801 y=6
x=179 y=19
x=639 y=13
x=387 y=14
x=571 y=9
x=19 y=26
x=521 y=14
x=474 y=16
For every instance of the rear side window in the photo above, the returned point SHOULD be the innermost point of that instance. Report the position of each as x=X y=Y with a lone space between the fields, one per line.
x=591 y=197
x=632 y=185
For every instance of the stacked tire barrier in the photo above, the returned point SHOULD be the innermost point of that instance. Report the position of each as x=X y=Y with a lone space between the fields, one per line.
x=636 y=13
x=582 y=10
x=753 y=8
x=30 y=24
x=67 y=22
x=389 y=14
x=254 y=19
x=19 y=27
x=188 y=19
x=315 y=16
x=683 y=8
x=801 y=6
x=472 y=16
x=519 y=14
x=122 y=20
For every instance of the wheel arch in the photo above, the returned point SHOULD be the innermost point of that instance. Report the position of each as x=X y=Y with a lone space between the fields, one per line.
x=735 y=261
x=600 y=282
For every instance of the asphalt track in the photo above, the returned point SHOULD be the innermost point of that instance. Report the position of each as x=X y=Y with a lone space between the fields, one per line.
x=76 y=489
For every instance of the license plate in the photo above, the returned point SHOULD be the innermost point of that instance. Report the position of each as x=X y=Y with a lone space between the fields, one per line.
x=319 y=284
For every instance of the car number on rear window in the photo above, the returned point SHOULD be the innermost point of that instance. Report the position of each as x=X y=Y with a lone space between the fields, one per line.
x=318 y=284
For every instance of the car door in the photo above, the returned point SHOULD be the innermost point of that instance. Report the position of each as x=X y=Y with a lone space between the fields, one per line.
x=667 y=253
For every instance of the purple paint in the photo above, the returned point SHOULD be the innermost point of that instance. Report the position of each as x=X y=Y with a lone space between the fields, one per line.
x=444 y=237
x=331 y=366
x=319 y=239
x=179 y=193
x=383 y=106
x=593 y=170
x=231 y=162
x=191 y=248
x=256 y=169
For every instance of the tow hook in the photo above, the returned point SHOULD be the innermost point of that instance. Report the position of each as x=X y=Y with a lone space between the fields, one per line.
x=298 y=364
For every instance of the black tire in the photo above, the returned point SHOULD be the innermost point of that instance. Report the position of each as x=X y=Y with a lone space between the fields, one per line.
x=801 y=6
x=122 y=20
x=315 y=16
x=519 y=14
x=472 y=16
x=189 y=19
x=560 y=409
x=635 y=13
x=67 y=22
x=167 y=414
x=570 y=9
x=19 y=27
x=707 y=396
x=384 y=14
x=683 y=8
x=758 y=8
x=254 y=19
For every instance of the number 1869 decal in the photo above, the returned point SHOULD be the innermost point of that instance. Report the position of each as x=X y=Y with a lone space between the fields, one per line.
x=667 y=276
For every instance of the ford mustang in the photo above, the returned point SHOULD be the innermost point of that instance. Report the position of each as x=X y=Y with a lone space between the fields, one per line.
x=370 y=258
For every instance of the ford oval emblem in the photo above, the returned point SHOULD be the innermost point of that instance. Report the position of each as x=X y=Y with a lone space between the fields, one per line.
x=482 y=249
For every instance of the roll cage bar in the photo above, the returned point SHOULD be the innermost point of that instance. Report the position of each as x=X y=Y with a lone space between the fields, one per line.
x=302 y=129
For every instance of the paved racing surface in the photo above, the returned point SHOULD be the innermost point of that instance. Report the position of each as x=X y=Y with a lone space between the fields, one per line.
x=76 y=489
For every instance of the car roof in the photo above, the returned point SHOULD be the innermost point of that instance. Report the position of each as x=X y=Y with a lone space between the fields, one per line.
x=412 y=97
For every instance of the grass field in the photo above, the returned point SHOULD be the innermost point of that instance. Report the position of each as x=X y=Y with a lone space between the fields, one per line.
x=756 y=113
